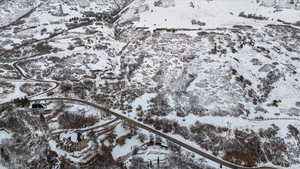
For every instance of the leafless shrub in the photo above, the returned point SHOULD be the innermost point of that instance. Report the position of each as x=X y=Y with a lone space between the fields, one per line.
x=121 y=140
x=72 y=120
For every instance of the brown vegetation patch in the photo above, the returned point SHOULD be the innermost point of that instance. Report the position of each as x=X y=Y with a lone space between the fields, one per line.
x=71 y=120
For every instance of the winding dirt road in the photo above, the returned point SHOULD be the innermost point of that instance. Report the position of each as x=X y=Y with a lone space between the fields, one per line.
x=159 y=133
x=56 y=84
x=123 y=117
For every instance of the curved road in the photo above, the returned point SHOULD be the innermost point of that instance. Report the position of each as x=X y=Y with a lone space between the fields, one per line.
x=15 y=65
x=87 y=129
x=150 y=129
x=141 y=125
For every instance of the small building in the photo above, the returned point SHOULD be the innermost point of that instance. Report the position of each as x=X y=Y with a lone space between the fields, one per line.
x=37 y=106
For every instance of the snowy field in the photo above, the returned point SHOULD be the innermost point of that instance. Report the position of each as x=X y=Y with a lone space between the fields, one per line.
x=218 y=13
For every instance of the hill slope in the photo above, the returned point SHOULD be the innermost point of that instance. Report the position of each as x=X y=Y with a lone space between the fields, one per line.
x=219 y=75
x=208 y=13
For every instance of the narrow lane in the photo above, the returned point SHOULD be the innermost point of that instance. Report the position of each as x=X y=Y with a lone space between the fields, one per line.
x=15 y=65
x=123 y=117
x=159 y=133
x=141 y=125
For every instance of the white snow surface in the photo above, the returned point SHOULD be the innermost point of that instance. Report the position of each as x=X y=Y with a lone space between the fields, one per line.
x=215 y=13
x=4 y=135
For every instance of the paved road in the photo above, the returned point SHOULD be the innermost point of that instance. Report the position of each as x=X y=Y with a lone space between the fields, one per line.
x=276 y=119
x=150 y=129
x=86 y=129
x=15 y=65
x=141 y=125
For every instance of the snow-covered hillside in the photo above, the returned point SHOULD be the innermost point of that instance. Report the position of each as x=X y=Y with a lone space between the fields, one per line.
x=122 y=81
x=204 y=13
x=292 y=4
x=11 y=10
